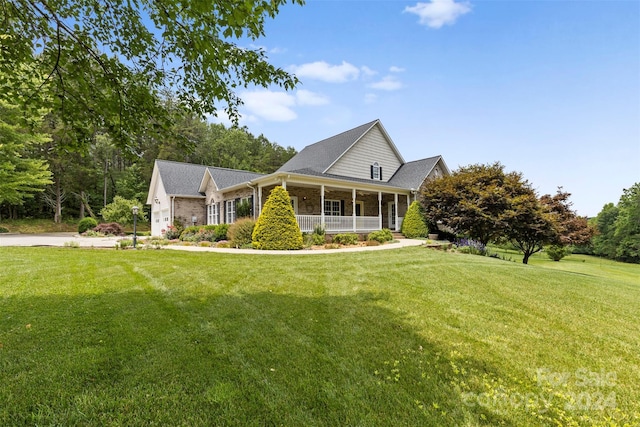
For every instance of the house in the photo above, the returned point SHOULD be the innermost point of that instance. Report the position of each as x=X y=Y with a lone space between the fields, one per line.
x=356 y=181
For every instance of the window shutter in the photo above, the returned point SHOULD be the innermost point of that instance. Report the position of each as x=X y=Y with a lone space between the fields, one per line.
x=380 y=172
x=251 y=205
x=371 y=170
x=341 y=207
x=224 y=211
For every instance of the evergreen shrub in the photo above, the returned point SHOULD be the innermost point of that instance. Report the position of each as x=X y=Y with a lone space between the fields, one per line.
x=345 y=238
x=414 y=224
x=381 y=236
x=86 y=224
x=277 y=228
x=557 y=252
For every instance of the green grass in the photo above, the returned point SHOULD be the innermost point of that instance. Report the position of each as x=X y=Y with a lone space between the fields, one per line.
x=403 y=337
x=34 y=226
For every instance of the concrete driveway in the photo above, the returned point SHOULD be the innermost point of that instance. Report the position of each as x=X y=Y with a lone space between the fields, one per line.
x=56 y=239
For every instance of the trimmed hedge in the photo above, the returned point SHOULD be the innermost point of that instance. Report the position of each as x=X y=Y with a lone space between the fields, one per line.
x=277 y=228
x=87 y=223
x=414 y=224
x=345 y=238
x=380 y=236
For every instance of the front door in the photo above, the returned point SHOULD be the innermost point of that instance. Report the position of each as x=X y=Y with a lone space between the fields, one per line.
x=392 y=215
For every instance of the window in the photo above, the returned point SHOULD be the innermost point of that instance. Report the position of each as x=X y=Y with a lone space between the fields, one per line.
x=332 y=207
x=376 y=171
x=231 y=211
x=213 y=216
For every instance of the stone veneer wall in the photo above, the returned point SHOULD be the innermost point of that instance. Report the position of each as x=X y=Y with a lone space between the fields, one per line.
x=186 y=208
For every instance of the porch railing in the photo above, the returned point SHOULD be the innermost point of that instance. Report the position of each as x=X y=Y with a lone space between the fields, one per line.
x=334 y=224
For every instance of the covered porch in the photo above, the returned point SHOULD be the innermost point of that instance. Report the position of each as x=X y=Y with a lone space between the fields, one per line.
x=339 y=209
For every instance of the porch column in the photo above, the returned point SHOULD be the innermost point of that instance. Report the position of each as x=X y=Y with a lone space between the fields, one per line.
x=322 y=205
x=259 y=210
x=395 y=200
x=408 y=203
x=380 y=210
x=284 y=184
x=353 y=207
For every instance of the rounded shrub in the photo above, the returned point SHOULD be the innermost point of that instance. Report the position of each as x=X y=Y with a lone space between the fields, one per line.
x=380 y=236
x=277 y=227
x=85 y=224
x=414 y=224
x=345 y=239
x=240 y=233
x=557 y=252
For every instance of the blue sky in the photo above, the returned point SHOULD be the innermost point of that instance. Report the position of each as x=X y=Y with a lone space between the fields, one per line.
x=548 y=88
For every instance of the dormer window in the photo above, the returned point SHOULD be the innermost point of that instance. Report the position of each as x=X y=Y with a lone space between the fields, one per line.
x=376 y=171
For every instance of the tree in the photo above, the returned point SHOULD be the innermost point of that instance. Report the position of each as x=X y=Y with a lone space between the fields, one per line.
x=413 y=224
x=618 y=228
x=572 y=229
x=604 y=242
x=105 y=62
x=121 y=211
x=473 y=200
x=20 y=177
x=531 y=225
x=627 y=225
x=277 y=227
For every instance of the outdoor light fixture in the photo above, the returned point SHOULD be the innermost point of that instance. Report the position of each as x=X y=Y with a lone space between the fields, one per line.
x=135 y=220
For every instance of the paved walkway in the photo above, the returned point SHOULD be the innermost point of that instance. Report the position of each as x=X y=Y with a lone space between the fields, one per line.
x=59 y=239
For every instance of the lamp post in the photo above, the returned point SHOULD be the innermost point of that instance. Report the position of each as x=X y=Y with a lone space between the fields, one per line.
x=135 y=220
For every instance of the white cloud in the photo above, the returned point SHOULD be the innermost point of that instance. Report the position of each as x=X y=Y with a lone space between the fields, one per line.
x=370 y=98
x=395 y=69
x=306 y=97
x=268 y=105
x=368 y=71
x=387 y=83
x=321 y=70
x=277 y=106
x=437 y=13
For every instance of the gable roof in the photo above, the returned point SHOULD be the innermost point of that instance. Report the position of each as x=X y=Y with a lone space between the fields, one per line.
x=180 y=179
x=320 y=156
x=413 y=174
x=224 y=178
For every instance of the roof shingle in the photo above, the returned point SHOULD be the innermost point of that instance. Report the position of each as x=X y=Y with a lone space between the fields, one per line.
x=319 y=156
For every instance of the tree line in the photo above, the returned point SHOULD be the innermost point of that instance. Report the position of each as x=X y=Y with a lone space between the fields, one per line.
x=46 y=172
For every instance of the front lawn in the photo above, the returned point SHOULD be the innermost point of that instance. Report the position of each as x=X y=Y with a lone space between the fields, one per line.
x=401 y=337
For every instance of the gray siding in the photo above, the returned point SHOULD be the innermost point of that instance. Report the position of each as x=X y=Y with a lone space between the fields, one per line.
x=372 y=147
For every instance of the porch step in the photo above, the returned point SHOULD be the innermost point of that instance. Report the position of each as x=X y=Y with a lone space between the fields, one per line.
x=397 y=235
